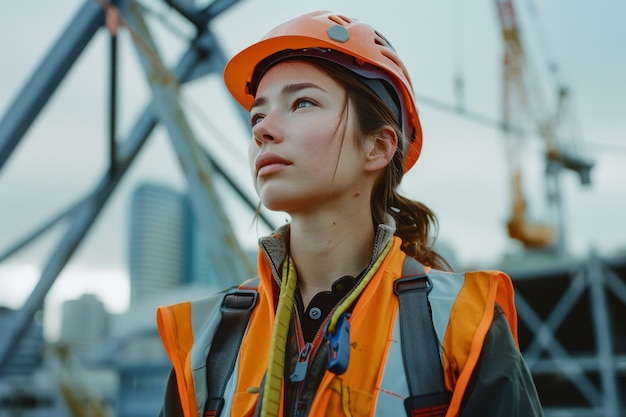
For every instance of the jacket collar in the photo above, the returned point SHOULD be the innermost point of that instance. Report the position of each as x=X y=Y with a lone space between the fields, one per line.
x=276 y=245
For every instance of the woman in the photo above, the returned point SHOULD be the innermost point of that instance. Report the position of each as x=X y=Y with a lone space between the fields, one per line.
x=333 y=330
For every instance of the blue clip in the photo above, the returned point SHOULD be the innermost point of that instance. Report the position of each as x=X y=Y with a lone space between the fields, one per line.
x=339 y=345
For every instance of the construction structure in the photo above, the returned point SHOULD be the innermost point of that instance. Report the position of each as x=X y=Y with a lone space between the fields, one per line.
x=558 y=298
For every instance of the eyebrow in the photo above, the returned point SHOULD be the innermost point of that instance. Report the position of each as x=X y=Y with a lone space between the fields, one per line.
x=287 y=89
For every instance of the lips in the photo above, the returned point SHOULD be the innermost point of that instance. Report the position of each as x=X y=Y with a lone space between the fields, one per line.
x=267 y=163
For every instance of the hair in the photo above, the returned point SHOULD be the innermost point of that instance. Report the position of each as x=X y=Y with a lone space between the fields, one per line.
x=414 y=220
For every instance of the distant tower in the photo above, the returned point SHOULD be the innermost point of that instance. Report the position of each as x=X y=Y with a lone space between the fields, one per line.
x=158 y=252
x=200 y=270
x=84 y=322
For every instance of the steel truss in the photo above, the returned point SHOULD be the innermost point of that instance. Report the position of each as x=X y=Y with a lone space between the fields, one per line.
x=572 y=334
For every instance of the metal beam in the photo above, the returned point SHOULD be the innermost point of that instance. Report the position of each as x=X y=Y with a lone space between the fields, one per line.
x=55 y=65
x=574 y=371
x=27 y=240
x=228 y=260
x=594 y=278
x=558 y=314
x=604 y=341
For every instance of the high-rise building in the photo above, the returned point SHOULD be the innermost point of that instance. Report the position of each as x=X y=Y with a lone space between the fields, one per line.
x=167 y=248
x=158 y=241
x=199 y=267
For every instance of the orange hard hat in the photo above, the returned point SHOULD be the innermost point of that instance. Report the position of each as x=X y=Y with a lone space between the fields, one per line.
x=345 y=41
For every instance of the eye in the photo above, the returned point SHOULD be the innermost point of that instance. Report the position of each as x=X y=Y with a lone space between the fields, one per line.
x=256 y=118
x=302 y=103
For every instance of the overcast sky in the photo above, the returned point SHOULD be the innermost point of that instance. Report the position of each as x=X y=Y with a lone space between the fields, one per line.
x=464 y=171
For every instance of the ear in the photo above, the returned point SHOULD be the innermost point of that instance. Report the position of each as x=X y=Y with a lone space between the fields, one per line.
x=380 y=149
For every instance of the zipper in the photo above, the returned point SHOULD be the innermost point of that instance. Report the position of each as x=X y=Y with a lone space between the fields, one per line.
x=307 y=355
x=302 y=365
x=307 y=351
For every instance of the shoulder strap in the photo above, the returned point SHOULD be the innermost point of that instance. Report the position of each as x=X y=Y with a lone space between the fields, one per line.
x=236 y=309
x=420 y=347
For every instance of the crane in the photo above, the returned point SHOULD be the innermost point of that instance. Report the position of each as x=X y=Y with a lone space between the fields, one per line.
x=522 y=102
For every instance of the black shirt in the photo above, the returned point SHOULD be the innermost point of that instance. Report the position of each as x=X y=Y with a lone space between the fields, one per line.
x=322 y=304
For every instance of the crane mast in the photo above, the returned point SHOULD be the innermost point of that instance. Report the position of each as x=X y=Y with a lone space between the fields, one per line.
x=523 y=104
x=520 y=102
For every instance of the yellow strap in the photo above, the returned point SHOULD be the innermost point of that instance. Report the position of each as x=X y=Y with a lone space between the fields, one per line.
x=275 y=369
x=359 y=289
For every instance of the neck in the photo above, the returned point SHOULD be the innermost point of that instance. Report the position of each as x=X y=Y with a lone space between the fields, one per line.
x=326 y=246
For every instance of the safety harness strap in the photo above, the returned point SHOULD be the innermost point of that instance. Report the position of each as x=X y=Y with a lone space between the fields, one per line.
x=236 y=309
x=420 y=346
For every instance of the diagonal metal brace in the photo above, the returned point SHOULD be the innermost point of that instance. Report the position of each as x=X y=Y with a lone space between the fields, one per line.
x=228 y=260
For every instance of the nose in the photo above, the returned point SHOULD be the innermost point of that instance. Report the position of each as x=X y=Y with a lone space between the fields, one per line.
x=267 y=129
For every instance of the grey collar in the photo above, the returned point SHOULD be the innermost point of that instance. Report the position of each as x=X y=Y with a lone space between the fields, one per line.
x=275 y=246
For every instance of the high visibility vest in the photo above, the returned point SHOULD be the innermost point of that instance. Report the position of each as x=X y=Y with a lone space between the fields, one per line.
x=463 y=306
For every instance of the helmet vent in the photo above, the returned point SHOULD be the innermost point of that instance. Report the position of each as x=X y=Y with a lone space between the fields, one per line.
x=392 y=57
x=381 y=40
x=339 y=19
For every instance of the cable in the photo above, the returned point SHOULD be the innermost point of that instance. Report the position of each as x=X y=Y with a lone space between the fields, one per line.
x=160 y=16
x=473 y=116
x=500 y=125
x=552 y=65
x=190 y=104
x=194 y=107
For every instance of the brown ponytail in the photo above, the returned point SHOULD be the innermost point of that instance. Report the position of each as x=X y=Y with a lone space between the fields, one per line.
x=413 y=225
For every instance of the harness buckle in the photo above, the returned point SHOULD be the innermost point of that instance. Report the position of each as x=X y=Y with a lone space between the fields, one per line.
x=415 y=283
x=240 y=300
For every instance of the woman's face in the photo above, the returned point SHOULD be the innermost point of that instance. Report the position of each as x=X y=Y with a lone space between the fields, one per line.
x=303 y=155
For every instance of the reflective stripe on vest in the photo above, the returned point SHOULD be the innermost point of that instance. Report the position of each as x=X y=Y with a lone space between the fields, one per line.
x=393 y=388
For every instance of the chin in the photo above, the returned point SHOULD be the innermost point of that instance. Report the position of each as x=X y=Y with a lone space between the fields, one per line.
x=283 y=197
x=284 y=202
x=276 y=197
x=275 y=205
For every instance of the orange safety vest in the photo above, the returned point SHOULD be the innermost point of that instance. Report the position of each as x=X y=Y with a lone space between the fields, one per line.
x=463 y=307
